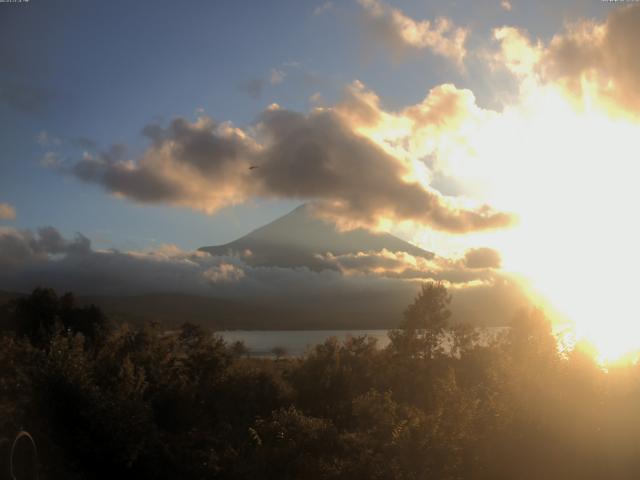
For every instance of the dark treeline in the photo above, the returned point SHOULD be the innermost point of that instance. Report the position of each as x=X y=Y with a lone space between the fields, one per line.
x=105 y=402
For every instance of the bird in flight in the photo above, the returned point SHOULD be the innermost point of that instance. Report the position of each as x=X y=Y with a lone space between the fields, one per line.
x=253 y=167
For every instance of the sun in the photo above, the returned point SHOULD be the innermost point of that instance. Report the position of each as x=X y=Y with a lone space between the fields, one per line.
x=567 y=165
x=569 y=171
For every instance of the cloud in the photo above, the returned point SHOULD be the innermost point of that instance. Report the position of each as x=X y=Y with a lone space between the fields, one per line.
x=18 y=247
x=318 y=156
x=517 y=53
x=54 y=144
x=84 y=143
x=591 y=61
x=476 y=267
x=391 y=26
x=46 y=257
x=49 y=240
x=276 y=76
x=45 y=139
x=428 y=129
x=383 y=263
x=482 y=258
x=187 y=164
x=323 y=8
x=316 y=98
x=51 y=160
x=331 y=156
x=29 y=259
x=255 y=86
x=225 y=272
x=7 y=212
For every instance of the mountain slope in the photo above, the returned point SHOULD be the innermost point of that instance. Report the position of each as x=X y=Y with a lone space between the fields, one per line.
x=295 y=239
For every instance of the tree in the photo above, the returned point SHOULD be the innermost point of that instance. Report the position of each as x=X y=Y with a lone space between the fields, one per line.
x=279 y=352
x=35 y=315
x=40 y=315
x=425 y=320
x=239 y=349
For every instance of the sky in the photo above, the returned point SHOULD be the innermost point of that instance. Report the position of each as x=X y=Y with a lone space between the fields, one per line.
x=502 y=125
x=95 y=73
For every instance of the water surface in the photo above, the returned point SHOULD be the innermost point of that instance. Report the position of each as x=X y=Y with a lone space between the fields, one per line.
x=294 y=342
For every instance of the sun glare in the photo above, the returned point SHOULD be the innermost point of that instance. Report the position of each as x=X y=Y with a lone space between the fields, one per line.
x=570 y=173
x=568 y=169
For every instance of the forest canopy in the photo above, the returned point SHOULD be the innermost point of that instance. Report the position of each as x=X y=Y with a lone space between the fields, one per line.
x=114 y=401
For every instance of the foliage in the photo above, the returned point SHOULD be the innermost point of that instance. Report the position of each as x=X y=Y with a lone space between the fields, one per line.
x=425 y=321
x=440 y=402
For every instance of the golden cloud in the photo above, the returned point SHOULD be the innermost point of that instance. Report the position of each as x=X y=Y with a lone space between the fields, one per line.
x=399 y=31
x=358 y=168
x=7 y=212
x=592 y=62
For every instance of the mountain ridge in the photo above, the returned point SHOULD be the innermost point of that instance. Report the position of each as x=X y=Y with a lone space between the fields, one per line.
x=297 y=239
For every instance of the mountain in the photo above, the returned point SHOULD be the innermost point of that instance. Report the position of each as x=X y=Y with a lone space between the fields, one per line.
x=293 y=240
x=296 y=239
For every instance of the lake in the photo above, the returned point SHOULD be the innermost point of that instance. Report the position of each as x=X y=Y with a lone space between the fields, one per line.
x=295 y=342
